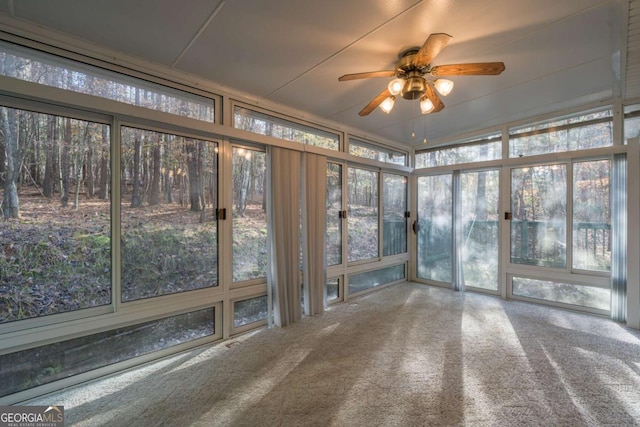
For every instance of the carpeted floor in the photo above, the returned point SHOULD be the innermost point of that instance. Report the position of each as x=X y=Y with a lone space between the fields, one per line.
x=407 y=355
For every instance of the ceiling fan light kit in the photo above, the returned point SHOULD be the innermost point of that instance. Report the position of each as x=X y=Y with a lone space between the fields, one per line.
x=409 y=81
x=387 y=104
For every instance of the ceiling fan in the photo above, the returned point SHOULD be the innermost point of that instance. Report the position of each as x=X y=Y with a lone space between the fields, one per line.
x=410 y=82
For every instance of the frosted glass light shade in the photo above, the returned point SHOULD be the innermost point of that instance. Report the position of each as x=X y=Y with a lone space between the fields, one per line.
x=395 y=86
x=443 y=86
x=426 y=106
x=387 y=104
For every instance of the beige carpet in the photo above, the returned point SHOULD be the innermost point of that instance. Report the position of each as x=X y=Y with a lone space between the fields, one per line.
x=408 y=355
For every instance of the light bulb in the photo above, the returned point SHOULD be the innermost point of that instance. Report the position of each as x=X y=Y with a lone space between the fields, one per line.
x=395 y=86
x=426 y=106
x=387 y=104
x=443 y=86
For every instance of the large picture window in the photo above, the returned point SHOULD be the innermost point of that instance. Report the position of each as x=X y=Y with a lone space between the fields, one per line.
x=55 y=235
x=168 y=201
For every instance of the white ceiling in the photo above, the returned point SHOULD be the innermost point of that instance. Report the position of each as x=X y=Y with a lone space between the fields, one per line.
x=558 y=53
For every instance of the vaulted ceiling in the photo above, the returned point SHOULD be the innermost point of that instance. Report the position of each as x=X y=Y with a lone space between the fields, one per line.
x=558 y=53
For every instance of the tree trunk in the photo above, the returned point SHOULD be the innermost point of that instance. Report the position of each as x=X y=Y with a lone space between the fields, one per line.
x=154 y=193
x=10 y=203
x=48 y=186
x=65 y=165
x=194 y=169
x=103 y=192
x=136 y=199
x=90 y=177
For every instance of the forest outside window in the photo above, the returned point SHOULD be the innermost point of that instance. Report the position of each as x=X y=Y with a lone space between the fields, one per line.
x=249 y=230
x=334 y=214
x=374 y=152
x=55 y=235
x=394 y=206
x=477 y=150
x=168 y=214
x=50 y=70
x=592 y=129
x=362 y=217
x=270 y=125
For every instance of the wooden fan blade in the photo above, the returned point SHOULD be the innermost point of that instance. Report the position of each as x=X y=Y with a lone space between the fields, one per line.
x=431 y=93
x=475 y=69
x=355 y=76
x=431 y=47
x=375 y=102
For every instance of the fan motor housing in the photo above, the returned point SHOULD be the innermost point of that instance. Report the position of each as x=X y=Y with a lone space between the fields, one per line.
x=414 y=88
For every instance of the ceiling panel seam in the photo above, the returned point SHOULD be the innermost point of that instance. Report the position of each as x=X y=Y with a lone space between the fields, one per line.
x=333 y=55
x=198 y=33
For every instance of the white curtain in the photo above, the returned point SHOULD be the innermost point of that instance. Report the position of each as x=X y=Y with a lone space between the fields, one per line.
x=284 y=234
x=619 y=238
x=313 y=229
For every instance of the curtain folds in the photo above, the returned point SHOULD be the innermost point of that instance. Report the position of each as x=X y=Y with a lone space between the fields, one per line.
x=284 y=234
x=313 y=229
x=619 y=238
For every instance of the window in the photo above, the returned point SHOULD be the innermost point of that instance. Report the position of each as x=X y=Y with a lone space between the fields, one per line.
x=362 y=218
x=480 y=228
x=565 y=293
x=30 y=368
x=249 y=212
x=631 y=122
x=362 y=281
x=435 y=231
x=46 y=69
x=539 y=209
x=54 y=176
x=250 y=310
x=577 y=132
x=168 y=209
x=477 y=150
x=332 y=288
x=591 y=215
x=394 y=208
x=334 y=214
x=371 y=151
x=276 y=127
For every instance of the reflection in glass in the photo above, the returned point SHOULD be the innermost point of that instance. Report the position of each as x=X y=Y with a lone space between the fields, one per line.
x=370 y=279
x=479 y=198
x=52 y=362
x=566 y=293
x=435 y=227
